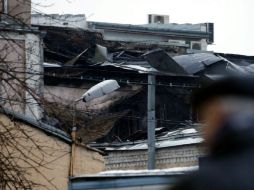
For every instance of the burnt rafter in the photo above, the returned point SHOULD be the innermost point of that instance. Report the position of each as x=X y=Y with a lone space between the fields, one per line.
x=59 y=43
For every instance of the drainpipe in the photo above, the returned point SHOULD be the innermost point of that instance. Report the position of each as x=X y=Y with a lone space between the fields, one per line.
x=73 y=144
x=73 y=148
x=5 y=6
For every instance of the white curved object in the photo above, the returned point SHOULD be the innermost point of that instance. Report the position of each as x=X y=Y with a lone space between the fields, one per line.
x=100 y=89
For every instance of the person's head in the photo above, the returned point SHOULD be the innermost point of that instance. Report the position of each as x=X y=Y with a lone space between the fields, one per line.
x=217 y=102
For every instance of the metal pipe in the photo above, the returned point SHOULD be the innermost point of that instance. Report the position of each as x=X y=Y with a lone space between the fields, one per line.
x=151 y=121
x=5 y=7
x=73 y=138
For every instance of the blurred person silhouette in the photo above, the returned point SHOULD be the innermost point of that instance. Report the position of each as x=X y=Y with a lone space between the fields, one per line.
x=226 y=110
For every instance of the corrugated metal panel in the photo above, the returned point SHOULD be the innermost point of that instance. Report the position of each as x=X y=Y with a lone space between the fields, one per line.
x=182 y=64
x=193 y=63
x=161 y=61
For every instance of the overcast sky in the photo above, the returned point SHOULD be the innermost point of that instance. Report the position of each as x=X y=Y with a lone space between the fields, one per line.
x=233 y=19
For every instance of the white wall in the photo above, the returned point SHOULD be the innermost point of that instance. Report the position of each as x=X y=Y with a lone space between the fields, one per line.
x=65 y=20
x=24 y=58
x=34 y=72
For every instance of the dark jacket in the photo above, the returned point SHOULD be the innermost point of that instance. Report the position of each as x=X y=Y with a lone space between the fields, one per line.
x=230 y=165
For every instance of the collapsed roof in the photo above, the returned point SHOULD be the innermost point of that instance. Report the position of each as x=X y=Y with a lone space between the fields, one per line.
x=85 y=60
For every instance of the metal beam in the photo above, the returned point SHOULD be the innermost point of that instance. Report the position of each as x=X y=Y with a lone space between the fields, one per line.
x=151 y=121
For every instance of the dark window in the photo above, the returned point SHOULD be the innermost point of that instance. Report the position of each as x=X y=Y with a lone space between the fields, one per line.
x=150 y=19
x=159 y=19
x=196 y=46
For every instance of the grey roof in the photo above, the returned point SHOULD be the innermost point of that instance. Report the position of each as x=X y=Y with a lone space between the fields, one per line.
x=40 y=125
x=9 y=27
x=170 y=29
x=145 y=180
x=163 y=27
x=175 y=26
x=135 y=173
x=160 y=144
x=8 y=23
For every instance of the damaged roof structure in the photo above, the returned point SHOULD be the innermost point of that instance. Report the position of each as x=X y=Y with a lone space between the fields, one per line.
x=78 y=58
x=160 y=63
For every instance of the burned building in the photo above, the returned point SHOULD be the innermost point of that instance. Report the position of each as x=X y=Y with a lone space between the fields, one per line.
x=176 y=78
x=93 y=54
x=77 y=58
